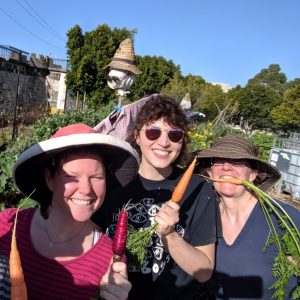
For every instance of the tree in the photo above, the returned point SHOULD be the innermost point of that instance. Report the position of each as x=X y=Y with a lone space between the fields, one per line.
x=255 y=105
x=179 y=85
x=287 y=114
x=157 y=72
x=74 y=44
x=270 y=78
x=211 y=101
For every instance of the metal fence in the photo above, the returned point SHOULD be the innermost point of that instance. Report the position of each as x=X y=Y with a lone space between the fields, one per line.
x=285 y=156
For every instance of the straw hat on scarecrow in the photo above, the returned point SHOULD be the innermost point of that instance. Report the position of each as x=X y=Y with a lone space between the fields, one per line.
x=124 y=58
x=121 y=159
x=237 y=147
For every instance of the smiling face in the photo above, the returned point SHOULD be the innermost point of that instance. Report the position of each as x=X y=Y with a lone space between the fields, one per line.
x=78 y=186
x=225 y=168
x=157 y=154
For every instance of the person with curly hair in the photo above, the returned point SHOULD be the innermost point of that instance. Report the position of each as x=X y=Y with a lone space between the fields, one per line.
x=182 y=250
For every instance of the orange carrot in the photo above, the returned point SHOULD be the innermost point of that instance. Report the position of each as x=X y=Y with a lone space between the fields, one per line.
x=18 y=290
x=237 y=181
x=183 y=182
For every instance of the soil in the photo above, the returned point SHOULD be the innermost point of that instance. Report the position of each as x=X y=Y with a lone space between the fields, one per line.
x=286 y=198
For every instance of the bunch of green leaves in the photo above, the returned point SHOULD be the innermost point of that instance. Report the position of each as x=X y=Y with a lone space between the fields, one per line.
x=137 y=241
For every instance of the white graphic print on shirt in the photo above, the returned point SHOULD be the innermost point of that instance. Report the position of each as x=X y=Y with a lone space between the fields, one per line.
x=142 y=215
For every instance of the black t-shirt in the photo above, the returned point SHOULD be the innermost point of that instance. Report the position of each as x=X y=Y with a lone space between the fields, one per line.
x=160 y=277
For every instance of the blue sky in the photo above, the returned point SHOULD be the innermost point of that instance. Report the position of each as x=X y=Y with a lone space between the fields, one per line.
x=226 y=41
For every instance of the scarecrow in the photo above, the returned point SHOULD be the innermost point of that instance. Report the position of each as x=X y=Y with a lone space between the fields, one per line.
x=122 y=70
x=121 y=76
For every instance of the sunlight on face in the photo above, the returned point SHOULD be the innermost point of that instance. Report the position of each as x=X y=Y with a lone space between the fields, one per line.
x=159 y=153
x=79 y=185
x=225 y=168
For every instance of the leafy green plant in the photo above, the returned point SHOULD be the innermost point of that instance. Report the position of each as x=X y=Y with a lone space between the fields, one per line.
x=204 y=135
x=201 y=136
x=264 y=142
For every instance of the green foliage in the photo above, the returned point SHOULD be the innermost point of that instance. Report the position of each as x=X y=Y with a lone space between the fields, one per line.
x=264 y=143
x=287 y=261
x=26 y=203
x=157 y=73
x=270 y=78
x=211 y=101
x=201 y=136
x=179 y=85
x=255 y=105
x=287 y=114
x=204 y=135
x=8 y=194
x=137 y=241
x=43 y=129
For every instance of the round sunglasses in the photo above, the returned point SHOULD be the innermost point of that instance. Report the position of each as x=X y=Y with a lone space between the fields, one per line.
x=153 y=133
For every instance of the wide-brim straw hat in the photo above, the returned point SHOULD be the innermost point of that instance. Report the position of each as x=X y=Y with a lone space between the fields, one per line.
x=124 y=58
x=120 y=158
x=237 y=147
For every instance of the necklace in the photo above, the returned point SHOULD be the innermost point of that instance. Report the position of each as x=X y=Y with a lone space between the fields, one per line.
x=52 y=244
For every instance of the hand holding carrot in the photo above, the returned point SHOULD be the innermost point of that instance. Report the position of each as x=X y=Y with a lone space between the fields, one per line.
x=114 y=284
x=168 y=214
x=166 y=218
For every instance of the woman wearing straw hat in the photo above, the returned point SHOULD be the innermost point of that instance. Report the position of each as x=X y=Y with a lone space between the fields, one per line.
x=182 y=250
x=243 y=269
x=64 y=255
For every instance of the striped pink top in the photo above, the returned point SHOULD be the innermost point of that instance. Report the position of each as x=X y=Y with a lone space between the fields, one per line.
x=47 y=278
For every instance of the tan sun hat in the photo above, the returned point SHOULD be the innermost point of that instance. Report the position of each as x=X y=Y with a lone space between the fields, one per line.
x=237 y=147
x=124 y=58
x=28 y=171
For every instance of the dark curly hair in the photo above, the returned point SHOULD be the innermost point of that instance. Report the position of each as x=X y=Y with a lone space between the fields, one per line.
x=165 y=107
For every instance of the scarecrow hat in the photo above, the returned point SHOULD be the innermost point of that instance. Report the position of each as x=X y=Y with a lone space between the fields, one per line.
x=237 y=147
x=124 y=58
x=120 y=158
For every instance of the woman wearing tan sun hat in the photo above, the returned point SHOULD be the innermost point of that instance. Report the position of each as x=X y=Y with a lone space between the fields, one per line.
x=243 y=269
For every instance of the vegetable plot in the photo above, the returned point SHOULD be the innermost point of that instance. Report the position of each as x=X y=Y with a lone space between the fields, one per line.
x=138 y=240
x=287 y=262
